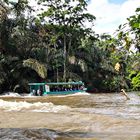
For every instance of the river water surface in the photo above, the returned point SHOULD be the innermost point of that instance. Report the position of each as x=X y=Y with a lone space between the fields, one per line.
x=70 y=117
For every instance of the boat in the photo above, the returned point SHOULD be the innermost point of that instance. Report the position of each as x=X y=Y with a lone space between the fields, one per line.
x=58 y=88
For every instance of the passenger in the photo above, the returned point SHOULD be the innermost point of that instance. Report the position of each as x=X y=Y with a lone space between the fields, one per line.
x=33 y=92
x=81 y=87
x=74 y=88
x=58 y=88
x=54 y=88
x=38 y=92
x=65 y=89
x=41 y=92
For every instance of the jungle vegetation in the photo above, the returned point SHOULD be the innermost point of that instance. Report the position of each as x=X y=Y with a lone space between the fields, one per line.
x=52 y=43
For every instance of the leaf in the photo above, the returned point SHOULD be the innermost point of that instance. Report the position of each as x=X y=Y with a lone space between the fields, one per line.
x=120 y=26
x=138 y=9
x=136 y=25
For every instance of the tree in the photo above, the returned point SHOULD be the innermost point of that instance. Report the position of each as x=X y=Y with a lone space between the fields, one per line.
x=128 y=36
x=17 y=40
x=134 y=23
x=69 y=18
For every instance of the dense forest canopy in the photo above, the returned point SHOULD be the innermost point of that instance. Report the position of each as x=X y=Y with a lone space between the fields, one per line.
x=55 y=45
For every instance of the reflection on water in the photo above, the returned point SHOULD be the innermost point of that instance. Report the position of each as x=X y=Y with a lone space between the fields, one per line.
x=96 y=116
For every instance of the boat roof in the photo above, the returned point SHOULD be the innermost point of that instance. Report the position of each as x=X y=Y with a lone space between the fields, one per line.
x=36 y=84
x=58 y=83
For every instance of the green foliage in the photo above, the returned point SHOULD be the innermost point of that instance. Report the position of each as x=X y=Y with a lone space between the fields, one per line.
x=55 y=45
x=134 y=23
x=136 y=81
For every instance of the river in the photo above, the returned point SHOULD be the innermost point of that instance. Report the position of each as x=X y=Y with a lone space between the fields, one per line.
x=70 y=117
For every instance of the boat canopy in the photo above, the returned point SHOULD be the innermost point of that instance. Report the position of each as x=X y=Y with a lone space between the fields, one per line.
x=58 y=83
x=36 y=84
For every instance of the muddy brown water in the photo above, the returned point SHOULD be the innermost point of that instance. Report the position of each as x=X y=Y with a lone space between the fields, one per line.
x=70 y=117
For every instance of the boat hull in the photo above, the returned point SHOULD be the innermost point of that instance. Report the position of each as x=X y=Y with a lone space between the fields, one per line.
x=62 y=92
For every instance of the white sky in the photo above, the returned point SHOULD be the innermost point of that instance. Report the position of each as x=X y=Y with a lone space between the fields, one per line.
x=111 y=15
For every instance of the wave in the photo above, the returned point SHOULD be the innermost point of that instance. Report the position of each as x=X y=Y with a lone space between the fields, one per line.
x=11 y=94
x=34 y=107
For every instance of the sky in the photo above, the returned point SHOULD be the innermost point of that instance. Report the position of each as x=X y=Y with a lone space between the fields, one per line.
x=111 y=13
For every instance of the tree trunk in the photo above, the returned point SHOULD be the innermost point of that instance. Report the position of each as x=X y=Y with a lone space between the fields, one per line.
x=65 y=57
x=47 y=55
x=69 y=46
x=57 y=73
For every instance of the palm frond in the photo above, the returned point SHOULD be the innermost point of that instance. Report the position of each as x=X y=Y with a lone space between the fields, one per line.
x=37 y=66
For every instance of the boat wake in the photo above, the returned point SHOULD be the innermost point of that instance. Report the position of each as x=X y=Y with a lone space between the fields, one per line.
x=75 y=94
x=81 y=93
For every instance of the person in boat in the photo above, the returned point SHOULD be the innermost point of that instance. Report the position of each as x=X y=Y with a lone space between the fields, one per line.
x=41 y=91
x=81 y=87
x=38 y=92
x=33 y=92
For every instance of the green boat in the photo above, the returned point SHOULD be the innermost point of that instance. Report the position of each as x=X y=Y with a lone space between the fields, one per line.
x=42 y=89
